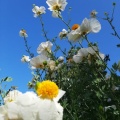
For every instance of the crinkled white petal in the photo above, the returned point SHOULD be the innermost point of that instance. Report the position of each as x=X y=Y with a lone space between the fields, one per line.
x=74 y=35
x=83 y=52
x=38 y=61
x=60 y=95
x=85 y=26
x=95 y=25
x=12 y=96
x=77 y=58
x=44 y=47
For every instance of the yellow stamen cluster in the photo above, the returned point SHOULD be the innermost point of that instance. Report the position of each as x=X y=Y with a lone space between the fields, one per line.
x=47 y=89
x=56 y=7
x=75 y=26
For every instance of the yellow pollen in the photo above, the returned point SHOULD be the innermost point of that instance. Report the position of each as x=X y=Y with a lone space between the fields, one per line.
x=47 y=89
x=56 y=7
x=75 y=26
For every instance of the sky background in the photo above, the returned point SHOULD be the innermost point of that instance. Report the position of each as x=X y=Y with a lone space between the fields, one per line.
x=17 y=14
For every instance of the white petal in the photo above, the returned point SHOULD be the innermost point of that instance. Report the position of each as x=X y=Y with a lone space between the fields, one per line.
x=95 y=25
x=60 y=94
x=77 y=58
x=83 y=52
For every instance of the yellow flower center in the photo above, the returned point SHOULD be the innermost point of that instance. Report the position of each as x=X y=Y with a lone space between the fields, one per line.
x=47 y=89
x=75 y=26
x=56 y=7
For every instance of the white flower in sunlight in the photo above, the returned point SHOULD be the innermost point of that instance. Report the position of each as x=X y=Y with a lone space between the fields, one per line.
x=90 y=25
x=93 y=14
x=82 y=53
x=29 y=106
x=87 y=26
x=44 y=48
x=25 y=58
x=23 y=33
x=51 y=64
x=12 y=96
x=38 y=10
x=38 y=61
x=56 y=6
x=63 y=34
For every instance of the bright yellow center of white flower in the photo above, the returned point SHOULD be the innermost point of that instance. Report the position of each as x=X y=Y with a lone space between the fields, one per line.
x=47 y=89
x=56 y=7
x=75 y=26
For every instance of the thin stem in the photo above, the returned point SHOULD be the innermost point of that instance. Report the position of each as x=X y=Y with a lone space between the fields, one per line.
x=30 y=54
x=64 y=22
x=27 y=48
x=45 y=35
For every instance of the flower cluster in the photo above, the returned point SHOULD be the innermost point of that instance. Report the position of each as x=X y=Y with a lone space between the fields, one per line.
x=81 y=71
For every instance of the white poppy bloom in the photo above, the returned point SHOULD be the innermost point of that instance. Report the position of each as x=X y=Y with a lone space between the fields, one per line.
x=90 y=25
x=38 y=10
x=93 y=14
x=63 y=34
x=25 y=58
x=87 y=26
x=23 y=33
x=56 y=6
x=51 y=64
x=29 y=106
x=80 y=55
x=44 y=48
x=83 y=52
x=37 y=62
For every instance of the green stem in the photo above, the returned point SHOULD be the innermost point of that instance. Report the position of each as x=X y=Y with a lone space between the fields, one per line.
x=45 y=35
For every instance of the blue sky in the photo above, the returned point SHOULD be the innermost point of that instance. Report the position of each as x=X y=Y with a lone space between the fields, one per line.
x=17 y=14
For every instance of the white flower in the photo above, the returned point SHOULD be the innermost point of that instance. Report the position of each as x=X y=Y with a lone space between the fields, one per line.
x=80 y=55
x=29 y=106
x=25 y=58
x=23 y=33
x=63 y=34
x=87 y=26
x=44 y=48
x=37 y=62
x=51 y=64
x=38 y=10
x=12 y=96
x=93 y=14
x=56 y=6
x=90 y=25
